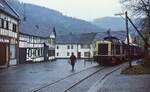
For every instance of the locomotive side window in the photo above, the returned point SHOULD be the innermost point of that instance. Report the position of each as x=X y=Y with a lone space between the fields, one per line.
x=117 y=49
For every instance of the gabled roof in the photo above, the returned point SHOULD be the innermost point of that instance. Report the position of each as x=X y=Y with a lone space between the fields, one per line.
x=6 y=8
x=27 y=27
x=87 y=38
x=68 y=39
x=83 y=38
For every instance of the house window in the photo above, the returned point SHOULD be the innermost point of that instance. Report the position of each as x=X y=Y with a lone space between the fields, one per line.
x=0 y=23
x=29 y=52
x=81 y=46
x=37 y=52
x=86 y=54
x=71 y=46
x=10 y=26
x=42 y=51
x=85 y=46
x=68 y=47
x=57 y=47
x=5 y=24
x=57 y=54
x=14 y=27
x=88 y=46
x=68 y=53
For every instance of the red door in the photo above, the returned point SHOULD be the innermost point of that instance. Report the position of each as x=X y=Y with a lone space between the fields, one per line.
x=3 y=57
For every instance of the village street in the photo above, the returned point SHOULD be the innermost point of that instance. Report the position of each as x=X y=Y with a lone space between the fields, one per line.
x=27 y=77
x=57 y=76
x=41 y=40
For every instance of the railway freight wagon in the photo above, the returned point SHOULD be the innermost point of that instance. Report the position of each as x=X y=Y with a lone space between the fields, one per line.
x=114 y=51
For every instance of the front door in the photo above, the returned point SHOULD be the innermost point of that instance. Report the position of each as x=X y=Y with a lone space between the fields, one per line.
x=22 y=55
x=3 y=55
x=79 y=55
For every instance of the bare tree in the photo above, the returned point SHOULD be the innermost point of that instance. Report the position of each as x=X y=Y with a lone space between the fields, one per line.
x=140 y=8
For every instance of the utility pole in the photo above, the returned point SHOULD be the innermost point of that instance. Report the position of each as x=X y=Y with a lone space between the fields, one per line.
x=146 y=44
x=128 y=43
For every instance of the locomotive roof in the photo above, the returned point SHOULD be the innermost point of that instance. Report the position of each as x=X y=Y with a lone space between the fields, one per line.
x=110 y=37
x=121 y=35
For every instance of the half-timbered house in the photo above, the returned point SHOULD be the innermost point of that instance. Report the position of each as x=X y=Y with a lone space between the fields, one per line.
x=9 y=28
x=36 y=42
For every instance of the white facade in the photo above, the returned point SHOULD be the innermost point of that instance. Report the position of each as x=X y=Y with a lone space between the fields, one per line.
x=65 y=50
x=80 y=51
x=86 y=50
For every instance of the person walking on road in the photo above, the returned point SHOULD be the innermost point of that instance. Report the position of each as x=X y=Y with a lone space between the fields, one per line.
x=73 y=60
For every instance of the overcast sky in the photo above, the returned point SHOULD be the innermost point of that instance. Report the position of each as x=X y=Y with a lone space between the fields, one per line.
x=83 y=9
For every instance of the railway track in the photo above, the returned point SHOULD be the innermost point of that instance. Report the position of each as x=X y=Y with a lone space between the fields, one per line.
x=47 y=85
x=71 y=82
x=82 y=80
x=86 y=84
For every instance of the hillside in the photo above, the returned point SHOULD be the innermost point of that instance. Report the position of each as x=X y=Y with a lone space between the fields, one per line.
x=37 y=16
x=115 y=23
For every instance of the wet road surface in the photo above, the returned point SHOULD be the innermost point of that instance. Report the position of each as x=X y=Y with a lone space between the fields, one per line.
x=28 y=77
x=126 y=83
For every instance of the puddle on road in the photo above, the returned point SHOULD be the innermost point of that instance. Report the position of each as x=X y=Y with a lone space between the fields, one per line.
x=33 y=72
x=48 y=70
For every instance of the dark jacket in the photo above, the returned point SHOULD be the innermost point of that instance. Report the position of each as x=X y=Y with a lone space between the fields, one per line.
x=72 y=59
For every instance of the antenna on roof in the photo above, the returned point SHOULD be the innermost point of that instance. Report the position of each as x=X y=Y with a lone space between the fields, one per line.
x=109 y=34
x=54 y=30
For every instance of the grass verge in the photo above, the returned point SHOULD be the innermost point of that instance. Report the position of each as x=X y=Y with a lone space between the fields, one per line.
x=136 y=69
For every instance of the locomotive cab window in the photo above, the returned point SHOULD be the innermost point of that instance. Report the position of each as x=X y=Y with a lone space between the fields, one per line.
x=102 y=49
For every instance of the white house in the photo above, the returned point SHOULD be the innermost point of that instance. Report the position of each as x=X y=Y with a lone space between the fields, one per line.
x=79 y=44
x=85 y=46
x=65 y=45
x=65 y=50
x=9 y=24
